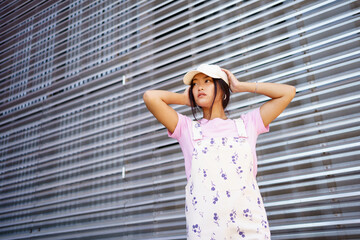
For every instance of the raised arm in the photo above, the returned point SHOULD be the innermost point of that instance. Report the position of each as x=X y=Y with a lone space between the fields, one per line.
x=281 y=95
x=158 y=101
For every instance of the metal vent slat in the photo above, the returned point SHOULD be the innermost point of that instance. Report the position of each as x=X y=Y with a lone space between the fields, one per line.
x=81 y=156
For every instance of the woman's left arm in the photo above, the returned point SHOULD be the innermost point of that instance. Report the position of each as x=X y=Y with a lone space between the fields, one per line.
x=281 y=95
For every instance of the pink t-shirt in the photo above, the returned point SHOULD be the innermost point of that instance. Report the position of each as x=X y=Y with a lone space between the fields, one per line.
x=217 y=128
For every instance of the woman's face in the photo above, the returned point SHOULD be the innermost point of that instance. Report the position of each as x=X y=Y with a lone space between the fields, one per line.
x=203 y=90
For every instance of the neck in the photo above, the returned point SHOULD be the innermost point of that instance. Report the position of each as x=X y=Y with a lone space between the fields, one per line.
x=216 y=113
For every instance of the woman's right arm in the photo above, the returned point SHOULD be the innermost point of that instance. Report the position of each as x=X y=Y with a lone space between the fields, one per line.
x=158 y=101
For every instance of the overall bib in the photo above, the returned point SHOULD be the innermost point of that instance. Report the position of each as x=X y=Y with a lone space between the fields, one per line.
x=223 y=200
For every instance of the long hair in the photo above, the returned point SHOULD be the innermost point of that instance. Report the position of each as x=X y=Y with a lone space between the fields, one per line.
x=225 y=96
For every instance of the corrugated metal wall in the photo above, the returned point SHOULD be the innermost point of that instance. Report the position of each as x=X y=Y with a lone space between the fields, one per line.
x=81 y=157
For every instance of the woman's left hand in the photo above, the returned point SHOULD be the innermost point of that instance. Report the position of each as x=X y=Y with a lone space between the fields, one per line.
x=281 y=95
x=233 y=82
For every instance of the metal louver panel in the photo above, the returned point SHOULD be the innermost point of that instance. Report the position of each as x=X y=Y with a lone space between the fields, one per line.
x=81 y=157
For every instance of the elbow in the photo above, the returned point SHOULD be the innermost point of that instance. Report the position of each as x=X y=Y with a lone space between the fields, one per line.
x=150 y=97
x=289 y=94
x=147 y=96
x=292 y=92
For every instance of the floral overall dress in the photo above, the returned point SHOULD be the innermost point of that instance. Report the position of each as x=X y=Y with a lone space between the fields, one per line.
x=223 y=200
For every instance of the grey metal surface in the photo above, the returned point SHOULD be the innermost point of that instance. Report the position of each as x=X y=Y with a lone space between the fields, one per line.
x=81 y=157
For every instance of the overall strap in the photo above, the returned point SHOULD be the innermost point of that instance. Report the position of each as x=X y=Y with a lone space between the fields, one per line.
x=240 y=126
x=196 y=128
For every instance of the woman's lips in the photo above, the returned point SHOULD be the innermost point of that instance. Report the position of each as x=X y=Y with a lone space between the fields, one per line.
x=201 y=95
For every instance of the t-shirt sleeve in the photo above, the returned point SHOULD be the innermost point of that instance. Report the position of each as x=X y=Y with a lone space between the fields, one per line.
x=254 y=127
x=181 y=125
x=254 y=122
x=183 y=135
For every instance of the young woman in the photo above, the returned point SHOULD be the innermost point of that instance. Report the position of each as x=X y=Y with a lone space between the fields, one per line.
x=223 y=200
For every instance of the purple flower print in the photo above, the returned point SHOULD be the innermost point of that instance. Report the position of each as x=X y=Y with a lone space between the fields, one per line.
x=216 y=218
x=264 y=223
x=195 y=153
x=204 y=171
x=194 y=202
x=196 y=229
x=197 y=125
x=233 y=216
x=215 y=200
x=212 y=186
x=259 y=202
x=201 y=213
x=205 y=150
x=228 y=194
x=224 y=141
x=247 y=213
x=239 y=170
x=234 y=158
x=223 y=175
x=212 y=141
x=241 y=232
x=191 y=188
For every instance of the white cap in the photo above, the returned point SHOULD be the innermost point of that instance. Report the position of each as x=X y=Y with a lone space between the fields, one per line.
x=213 y=71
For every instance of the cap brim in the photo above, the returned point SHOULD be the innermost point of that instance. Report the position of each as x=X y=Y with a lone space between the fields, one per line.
x=189 y=76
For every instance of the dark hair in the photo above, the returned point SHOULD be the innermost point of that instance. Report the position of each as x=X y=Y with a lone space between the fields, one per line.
x=225 y=96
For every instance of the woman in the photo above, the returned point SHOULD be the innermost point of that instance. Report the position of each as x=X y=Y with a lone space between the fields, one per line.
x=223 y=200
